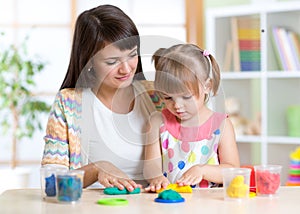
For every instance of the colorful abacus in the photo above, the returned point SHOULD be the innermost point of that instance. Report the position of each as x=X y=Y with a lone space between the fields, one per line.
x=294 y=171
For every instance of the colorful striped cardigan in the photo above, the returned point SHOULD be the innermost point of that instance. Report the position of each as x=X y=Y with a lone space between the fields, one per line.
x=62 y=140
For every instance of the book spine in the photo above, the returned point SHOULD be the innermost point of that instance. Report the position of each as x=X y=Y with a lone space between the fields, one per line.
x=286 y=47
x=235 y=44
x=292 y=37
x=278 y=49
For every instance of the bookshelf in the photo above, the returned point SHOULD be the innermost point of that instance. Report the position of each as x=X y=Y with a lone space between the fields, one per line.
x=267 y=90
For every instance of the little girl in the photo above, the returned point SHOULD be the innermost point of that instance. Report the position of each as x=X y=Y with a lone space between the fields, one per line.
x=187 y=143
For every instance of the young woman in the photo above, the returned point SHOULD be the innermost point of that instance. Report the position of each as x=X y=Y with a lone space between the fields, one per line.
x=97 y=122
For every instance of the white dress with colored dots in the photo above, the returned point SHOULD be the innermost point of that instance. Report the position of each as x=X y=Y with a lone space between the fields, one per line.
x=184 y=147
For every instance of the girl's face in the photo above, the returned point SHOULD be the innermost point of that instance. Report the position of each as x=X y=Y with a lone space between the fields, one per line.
x=186 y=107
x=115 y=68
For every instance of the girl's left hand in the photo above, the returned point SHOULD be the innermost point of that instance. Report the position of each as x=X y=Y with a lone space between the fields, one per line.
x=192 y=176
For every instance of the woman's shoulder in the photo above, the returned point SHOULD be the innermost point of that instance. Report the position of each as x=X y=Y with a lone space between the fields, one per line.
x=144 y=85
x=69 y=96
x=148 y=86
x=69 y=93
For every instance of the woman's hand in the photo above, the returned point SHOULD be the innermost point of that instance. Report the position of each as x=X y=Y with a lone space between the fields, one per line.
x=111 y=176
x=157 y=183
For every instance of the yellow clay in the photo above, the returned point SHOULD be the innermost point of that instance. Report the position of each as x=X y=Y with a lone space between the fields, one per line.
x=175 y=187
x=237 y=188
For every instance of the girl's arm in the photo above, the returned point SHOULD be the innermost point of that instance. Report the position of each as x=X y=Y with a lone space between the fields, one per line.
x=153 y=157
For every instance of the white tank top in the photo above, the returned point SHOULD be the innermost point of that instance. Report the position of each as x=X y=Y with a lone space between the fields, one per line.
x=117 y=138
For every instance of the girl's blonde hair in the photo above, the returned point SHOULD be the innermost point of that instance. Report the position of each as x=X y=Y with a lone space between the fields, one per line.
x=184 y=68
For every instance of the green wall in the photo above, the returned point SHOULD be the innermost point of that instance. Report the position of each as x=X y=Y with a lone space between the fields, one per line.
x=224 y=3
x=218 y=3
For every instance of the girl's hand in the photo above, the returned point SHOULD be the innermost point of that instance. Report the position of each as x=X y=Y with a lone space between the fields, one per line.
x=192 y=176
x=157 y=183
x=111 y=176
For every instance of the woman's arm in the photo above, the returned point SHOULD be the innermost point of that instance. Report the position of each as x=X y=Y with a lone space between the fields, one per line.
x=107 y=175
x=62 y=144
x=90 y=174
x=57 y=144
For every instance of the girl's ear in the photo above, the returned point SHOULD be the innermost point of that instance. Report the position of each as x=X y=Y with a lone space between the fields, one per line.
x=207 y=86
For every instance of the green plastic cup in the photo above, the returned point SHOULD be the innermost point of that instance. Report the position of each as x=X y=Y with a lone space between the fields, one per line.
x=293 y=121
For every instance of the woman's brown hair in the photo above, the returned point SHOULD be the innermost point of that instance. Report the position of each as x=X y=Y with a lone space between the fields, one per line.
x=94 y=28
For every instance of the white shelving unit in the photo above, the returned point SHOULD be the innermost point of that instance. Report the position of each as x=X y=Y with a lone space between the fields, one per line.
x=268 y=91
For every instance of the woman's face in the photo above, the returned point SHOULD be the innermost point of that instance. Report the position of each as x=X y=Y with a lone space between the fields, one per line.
x=115 y=68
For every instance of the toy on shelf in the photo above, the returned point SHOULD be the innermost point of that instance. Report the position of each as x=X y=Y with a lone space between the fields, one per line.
x=294 y=171
x=242 y=126
x=177 y=188
x=254 y=127
x=233 y=108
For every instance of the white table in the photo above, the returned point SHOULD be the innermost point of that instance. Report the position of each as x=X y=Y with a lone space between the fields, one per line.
x=202 y=201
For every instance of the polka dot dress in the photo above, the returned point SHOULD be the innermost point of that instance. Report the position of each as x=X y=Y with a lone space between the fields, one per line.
x=184 y=147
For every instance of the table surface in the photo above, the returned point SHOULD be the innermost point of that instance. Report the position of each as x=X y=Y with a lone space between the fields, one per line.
x=200 y=201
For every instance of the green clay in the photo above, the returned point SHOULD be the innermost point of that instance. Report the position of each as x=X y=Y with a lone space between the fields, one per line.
x=116 y=191
x=169 y=195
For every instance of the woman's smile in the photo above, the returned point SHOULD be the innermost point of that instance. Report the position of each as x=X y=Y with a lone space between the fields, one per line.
x=123 y=78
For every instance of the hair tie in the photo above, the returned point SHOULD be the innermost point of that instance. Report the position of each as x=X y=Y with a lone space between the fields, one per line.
x=206 y=53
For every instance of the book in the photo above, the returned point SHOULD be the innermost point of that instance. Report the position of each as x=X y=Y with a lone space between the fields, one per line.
x=278 y=49
x=285 y=45
x=295 y=48
x=235 y=44
x=287 y=51
x=228 y=56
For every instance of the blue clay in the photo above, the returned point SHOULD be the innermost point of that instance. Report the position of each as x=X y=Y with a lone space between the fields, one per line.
x=50 y=189
x=169 y=195
x=69 y=188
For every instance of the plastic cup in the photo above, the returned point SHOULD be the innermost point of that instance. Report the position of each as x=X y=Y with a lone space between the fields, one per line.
x=236 y=183
x=267 y=179
x=48 y=182
x=293 y=121
x=69 y=186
